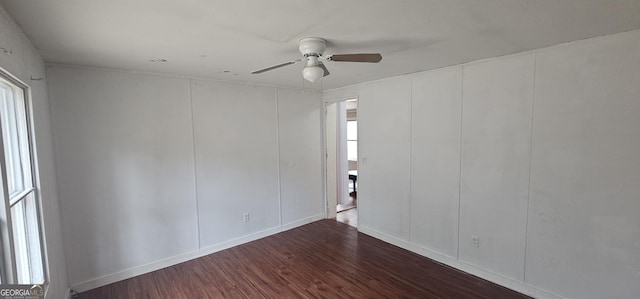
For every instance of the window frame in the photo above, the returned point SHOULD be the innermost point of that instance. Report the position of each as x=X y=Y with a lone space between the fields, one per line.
x=8 y=261
x=352 y=140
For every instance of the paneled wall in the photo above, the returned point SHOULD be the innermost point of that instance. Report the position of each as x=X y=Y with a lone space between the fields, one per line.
x=583 y=236
x=300 y=154
x=536 y=156
x=496 y=134
x=25 y=63
x=155 y=170
x=234 y=175
x=124 y=152
x=435 y=159
x=383 y=179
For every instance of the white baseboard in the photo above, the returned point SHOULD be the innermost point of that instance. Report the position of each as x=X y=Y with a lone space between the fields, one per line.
x=301 y=222
x=460 y=265
x=181 y=258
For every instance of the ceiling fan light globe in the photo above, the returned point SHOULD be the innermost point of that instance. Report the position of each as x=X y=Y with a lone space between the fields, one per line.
x=312 y=73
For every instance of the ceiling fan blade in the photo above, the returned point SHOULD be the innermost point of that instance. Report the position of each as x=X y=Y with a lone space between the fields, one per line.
x=275 y=66
x=363 y=57
x=324 y=68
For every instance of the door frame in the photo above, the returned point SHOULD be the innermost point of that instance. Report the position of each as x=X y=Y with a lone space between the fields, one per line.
x=328 y=213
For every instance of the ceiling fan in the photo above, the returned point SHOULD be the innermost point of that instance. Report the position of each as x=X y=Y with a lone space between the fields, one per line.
x=312 y=49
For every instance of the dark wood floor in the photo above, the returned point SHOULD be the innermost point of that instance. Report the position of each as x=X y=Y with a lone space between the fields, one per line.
x=324 y=259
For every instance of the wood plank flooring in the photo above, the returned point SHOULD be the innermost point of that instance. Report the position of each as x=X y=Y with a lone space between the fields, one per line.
x=324 y=259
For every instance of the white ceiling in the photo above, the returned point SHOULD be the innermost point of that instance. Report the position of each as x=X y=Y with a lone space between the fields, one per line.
x=229 y=39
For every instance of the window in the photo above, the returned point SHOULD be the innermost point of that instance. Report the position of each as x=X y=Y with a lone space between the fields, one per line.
x=352 y=140
x=22 y=258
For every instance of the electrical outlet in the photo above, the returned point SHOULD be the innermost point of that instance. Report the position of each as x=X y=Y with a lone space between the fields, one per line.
x=245 y=217
x=475 y=241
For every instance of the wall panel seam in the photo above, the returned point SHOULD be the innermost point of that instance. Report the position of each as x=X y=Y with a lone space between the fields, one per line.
x=277 y=99
x=195 y=164
x=526 y=223
x=460 y=145
x=410 y=154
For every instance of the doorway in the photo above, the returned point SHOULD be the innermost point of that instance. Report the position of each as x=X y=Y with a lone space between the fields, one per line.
x=341 y=140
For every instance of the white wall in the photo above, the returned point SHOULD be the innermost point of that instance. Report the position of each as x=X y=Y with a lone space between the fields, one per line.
x=300 y=154
x=383 y=150
x=155 y=170
x=496 y=127
x=236 y=159
x=536 y=154
x=583 y=238
x=25 y=63
x=124 y=151
x=435 y=159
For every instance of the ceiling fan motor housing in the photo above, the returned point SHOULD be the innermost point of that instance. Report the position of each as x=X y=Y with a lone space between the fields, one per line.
x=312 y=46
